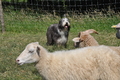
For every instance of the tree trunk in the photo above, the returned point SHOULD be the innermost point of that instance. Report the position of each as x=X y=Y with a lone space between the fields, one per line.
x=1 y=17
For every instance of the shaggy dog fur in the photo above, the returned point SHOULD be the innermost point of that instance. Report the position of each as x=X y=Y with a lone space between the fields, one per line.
x=58 y=33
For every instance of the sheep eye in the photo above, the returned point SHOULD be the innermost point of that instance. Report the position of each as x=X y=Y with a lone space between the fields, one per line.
x=80 y=40
x=31 y=51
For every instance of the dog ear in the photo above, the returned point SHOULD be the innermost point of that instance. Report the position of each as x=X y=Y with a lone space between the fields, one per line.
x=38 y=51
x=60 y=21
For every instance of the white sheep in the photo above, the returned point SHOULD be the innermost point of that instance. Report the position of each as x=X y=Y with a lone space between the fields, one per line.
x=115 y=48
x=89 y=63
x=84 y=39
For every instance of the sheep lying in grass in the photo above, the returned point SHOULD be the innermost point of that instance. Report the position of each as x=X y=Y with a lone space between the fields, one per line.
x=84 y=39
x=89 y=63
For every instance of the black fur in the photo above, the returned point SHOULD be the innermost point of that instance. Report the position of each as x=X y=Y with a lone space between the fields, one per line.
x=38 y=51
x=53 y=32
x=118 y=33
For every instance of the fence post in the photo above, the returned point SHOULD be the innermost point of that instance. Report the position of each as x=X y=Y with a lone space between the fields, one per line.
x=1 y=17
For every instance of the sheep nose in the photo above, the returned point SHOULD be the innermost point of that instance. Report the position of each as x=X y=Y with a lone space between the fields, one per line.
x=76 y=44
x=17 y=61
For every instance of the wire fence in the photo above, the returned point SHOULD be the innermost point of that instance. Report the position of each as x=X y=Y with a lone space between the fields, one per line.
x=62 y=6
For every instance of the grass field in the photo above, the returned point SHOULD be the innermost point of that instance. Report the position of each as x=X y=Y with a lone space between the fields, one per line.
x=23 y=28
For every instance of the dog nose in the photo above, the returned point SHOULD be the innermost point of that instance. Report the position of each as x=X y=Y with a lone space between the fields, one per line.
x=66 y=23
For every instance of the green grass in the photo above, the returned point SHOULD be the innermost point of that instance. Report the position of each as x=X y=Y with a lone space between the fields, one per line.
x=23 y=28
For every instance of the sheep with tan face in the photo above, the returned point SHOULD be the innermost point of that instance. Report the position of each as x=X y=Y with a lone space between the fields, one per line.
x=84 y=39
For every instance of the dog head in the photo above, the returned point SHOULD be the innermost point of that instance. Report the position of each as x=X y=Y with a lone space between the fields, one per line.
x=64 y=24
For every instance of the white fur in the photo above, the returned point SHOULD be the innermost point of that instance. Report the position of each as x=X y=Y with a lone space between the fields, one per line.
x=89 y=63
x=62 y=39
x=65 y=20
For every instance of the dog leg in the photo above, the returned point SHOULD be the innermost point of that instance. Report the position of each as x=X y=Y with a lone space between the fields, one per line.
x=49 y=39
x=65 y=45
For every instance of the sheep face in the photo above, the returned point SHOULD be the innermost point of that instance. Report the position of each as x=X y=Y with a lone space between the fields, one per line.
x=82 y=36
x=76 y=41
x=30 y=54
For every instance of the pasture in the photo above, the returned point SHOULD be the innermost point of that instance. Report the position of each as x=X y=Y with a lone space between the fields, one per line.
x=23 y=27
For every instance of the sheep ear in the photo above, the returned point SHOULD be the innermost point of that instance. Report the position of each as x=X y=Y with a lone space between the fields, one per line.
x=77 y=39
x=91 y=31
x=38 y=51
x=79 y=34
x=95 y=32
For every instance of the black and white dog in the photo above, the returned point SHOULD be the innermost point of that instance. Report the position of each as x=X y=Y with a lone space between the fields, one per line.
x=58 y=33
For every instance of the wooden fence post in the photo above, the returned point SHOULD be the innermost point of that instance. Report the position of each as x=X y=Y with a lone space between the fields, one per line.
x=1 y=17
